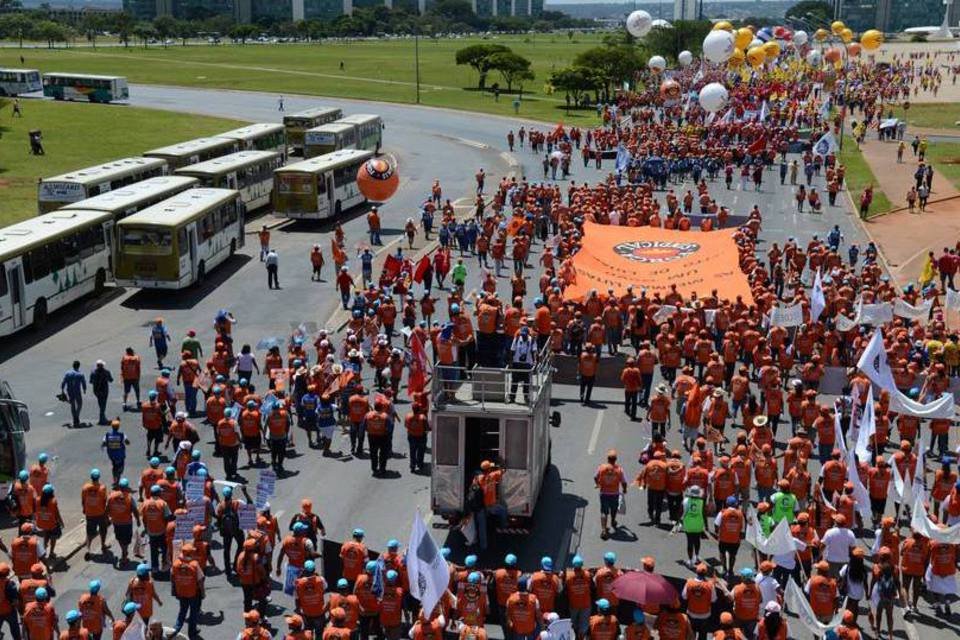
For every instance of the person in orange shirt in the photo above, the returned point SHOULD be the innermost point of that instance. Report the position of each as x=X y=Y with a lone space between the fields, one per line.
x=587 y=368
x=94 y=610
x=353 y=557
x=93 y=499
x=40 y=620
x=941 y=576
x=187 y=581
x=130 y=375
x=604 y=625
x=653 y=477
x=141 y=591
x=700 y=594
x=914 y=558
x=546 y=585
x=576 y=585
x=879 y=477
x=611 y=482
x=523 y=613
x=673 y=624
x=729 y=525
x=49 y=523
x=822 y=591
x=747 y=601
x=630 y=378
x=773 y=626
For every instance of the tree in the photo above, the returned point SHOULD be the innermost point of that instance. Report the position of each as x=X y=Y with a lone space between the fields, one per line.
x=184 y=30
x=478 y=56
x=51 y=31
x=166 y=27
x=816 y=12
x=684 y=35
x=243 y=32
x=512 y=68
x=123 y=24
x=574 y=81
x=455 y=11
x=609 y=66
x=91 y=24
x=145 y=32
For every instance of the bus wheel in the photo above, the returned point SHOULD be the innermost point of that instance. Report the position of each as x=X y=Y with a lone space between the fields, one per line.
x=40 y=313
x=233 y=246
x=337 y=209
x=99 y=281
x=201 y=271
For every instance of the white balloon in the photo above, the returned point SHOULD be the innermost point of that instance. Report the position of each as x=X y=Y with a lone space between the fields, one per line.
x=657 y=63
x=685 y=58
x=718 y=46
x=800 y=38
x=713 y=97
x=814 y=58
x=661 y=23
x=756 y=42
x=639 y=23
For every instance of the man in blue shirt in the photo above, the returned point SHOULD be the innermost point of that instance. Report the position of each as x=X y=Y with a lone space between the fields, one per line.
x=74 y=385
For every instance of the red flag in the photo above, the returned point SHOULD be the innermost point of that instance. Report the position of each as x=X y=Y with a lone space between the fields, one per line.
x=419 y=365
x=421 y=268
x=758 y=146
x=391 y=268
x=514 y=226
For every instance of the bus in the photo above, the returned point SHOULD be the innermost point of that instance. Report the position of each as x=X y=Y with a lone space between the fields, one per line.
x=319 y=187
x=264 y=136
x=14 y=423
x=194 y=151
x=328 y=138
x=50 y=261
x=249 y=172
x=173 y=244
x=13 y=82
x=131 y=198
x=79 y=86
x=369 y=130
x=297 y=123
x=55 y=192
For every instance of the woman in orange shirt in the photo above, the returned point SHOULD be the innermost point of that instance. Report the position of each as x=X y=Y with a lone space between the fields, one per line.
x=49 y=522
x=772 y=626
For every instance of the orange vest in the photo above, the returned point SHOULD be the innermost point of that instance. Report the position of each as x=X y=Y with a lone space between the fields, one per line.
x=823 y=595
x=699 y=597
x=604 y=627
x=39 y=619
x=731 y=525
x=186 y=579
x=47 y=515
x=746 y=602
x=277 y=424
x=309 y=592
x=227 y=433
x=141 y=592
x=94 y=499
x=91 y=609
x=23 y=554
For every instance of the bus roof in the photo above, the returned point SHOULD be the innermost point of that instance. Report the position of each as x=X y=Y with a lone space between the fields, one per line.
x=189 y=147
x=334 y=127
x=23 y=236
x=131 y=194
x=327 y=161
x=88 y=76
x=227 y=163
x=101 y=172
x=312 y=113
x=259 y=128
x=358 y=118
x=181 y=208
x=13 y=70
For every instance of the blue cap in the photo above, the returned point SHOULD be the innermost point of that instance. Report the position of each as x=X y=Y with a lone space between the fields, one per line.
x=72 y=616
x=358 y=533
x=130 y=608
x=343 y=584
x=124 y=483
x=610 y=557
x=522 y=583
x=445 y=552
x=201 y=473
x=638 y=616
x=300 y=527
x=143 y=569
x=603 y=604
x=577 y=562
x=228 y=491
x=243 y=382
x=747 y=573
x=392 y=575
x=251 y=404
x=546 y=563
x=23 y=475
x=170 y=471
x=393 y=544
x=309 y=566
x=470 y=560
x=154 y=462
x=94 y=586
x=152 y=394
x=48 y=489
x=42 y=457
x=510 y=560
x=41 y=594
x=195 y=454
x=474 y=577
x=155 y=490
x=94 y=474
x=731 y=501
x=454 y=308
x=371 y=566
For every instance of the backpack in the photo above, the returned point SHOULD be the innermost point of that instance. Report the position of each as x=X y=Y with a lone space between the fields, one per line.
x=475 y=498
x=887 y=588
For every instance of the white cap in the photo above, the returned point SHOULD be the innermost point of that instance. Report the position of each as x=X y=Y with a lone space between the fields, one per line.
x=101 y=363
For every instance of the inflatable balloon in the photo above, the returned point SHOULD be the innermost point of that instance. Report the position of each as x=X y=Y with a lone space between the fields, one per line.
x=871 y=39
x=800 y=38
x=853 y=49
x=639 y=23
x=820 y=35
x=713 y=97
x=661 y=23
x=756 y=56
x=765 y=34
x=723 y=25
x=772 y=49
x=685 y=58
x=742 y=38
x=670 y=90
x=377 y=179
x=737 y=58
x=814 y=58
x=837 y=26
x=657 y=64
x=756 y=42
x=833 y=54
x=846 y=35
x=781 y=33
x=718 y=46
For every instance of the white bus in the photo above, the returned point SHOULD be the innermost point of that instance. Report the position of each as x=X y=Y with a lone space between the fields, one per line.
x=135 y=197
x=81 y=86
x=50 y=261
x=297 y=123
x=249 y=172
x=263 y=136
x=369 y=130
x=13 y=82
x=328 y=138
x=174 y=244
x=55 y=192
x=319 y=187
x=194 y=151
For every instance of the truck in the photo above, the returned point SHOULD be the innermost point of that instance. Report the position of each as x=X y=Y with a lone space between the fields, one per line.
x=472 y=422
x=14 y=423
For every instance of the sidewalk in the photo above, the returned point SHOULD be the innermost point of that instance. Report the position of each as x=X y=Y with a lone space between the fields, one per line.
x=904 y=238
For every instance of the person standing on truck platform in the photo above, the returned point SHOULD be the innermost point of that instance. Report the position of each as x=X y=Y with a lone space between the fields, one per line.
x=488 y=484
x=611 y=481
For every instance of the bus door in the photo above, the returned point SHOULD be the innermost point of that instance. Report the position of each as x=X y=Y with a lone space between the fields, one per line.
x=192 y=235
x=231 y=180
x=326 y=199
x=109 y=231
x=15 y=284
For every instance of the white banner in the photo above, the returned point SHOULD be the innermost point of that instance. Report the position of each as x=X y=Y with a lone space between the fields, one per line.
x=797 y=602
x=779 y=542
x=922 y=524
x=818 y=301
x=904 y=309
x=867 y=427
x=426 y=567
x=664 y=313
x=135 y=630
x=860 y=494
x=953 y=299
x=879 y=313
x=560 y=630
x=791 y=316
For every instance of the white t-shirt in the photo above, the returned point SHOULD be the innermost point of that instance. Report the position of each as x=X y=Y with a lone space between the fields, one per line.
x=768 y=588
x=837 y=543
x=245 y=362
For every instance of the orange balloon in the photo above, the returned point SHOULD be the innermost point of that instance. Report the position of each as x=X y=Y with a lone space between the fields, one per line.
x=377 y=180
x=833 y=54
x=853 y=49
x=670 y=90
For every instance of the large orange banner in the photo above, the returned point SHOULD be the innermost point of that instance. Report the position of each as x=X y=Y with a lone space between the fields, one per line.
x=652 y=258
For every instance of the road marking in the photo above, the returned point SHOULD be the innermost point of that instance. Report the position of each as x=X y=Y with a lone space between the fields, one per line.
x=596 y=432
x=472 y=143
x=911 y=629
x=510 y=159
x=48 y=414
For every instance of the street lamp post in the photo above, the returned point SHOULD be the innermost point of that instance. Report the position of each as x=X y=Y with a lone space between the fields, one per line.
x=416 y=57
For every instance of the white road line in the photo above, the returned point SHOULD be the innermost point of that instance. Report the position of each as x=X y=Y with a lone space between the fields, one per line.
x=596 y=433
x=472 y=143
x=510 y=159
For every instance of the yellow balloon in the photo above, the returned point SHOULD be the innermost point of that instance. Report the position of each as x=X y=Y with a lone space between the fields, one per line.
x=736 y=58
x=723 y=25
x=846 y=35
x=742 y=38
x=820 y=35
x=756 y=56
x=871 y=39
x=837 y=26
x=771 y=49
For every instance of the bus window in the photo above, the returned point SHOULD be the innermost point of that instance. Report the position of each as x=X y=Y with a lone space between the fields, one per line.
x=229 y=213
x=70 y=248
x=88 y=241
x=182 y=243
x=206 y=226
x=55 y=256
x=516 y=444
x=147 y=241
x=27 y=268
x=39 y=263
x=322 y=184
x=3 y=281
x=99 y=242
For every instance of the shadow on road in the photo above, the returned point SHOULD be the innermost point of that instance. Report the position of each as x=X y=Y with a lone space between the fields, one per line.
x=161 y=299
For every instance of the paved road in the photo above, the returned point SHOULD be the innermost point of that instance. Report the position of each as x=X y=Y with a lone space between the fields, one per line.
x=429 y=143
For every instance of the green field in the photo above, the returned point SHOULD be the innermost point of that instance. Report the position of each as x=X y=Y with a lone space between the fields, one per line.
x=373 y=70
x=859 y=175
x=80 y=135
x=945 y=157
x=940 y=115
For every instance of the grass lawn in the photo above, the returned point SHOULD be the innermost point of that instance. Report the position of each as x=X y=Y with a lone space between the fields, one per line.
x=940 y=115
x=859 y=175
x=373 y=70
x=945 y=157
x=77 y=135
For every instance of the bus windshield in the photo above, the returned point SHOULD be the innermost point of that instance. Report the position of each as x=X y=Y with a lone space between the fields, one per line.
x=154 y=242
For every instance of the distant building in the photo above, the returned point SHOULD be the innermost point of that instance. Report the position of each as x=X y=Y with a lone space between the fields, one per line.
x=895 y=15
x=685 y=9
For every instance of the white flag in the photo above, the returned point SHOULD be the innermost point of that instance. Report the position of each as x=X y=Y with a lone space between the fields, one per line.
x=876 y=314
x=873 y=362
x=426 y=567
x=664 y=313
x=906 y=310
x=560 y=630
x=826 y=145
x=779 y=542
x=797 y=602
x=953 y=299
x=817 y=300
x=901 y=489
x=860 y=494
x=867 y=427
x=838 y=434
x=135 y=630
x=791 y=316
